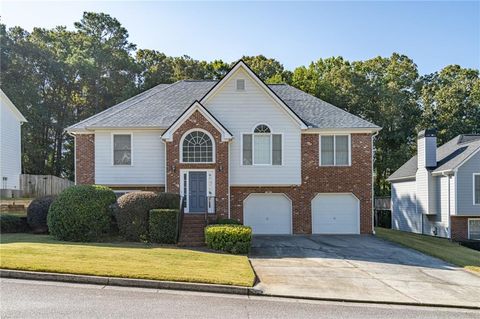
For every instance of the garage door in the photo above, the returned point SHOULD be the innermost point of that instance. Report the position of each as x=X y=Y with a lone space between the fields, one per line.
x=335 y=214
x=268 y=214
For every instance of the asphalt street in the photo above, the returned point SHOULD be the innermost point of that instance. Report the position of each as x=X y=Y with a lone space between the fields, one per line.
x=37 y=299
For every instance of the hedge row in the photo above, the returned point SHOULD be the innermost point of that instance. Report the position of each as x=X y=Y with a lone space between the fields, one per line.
x=163 y=225
x=133 y=209
x=234 y=239
x=13 y=224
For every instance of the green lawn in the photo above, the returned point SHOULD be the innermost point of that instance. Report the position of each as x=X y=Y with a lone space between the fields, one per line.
x=434 y=246
x=20 y=213
x=128 y=260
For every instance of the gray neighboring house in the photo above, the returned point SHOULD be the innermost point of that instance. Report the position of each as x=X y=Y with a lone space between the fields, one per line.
x=437 y=192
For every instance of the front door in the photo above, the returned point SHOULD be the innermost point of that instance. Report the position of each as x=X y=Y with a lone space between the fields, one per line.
x=197 y=193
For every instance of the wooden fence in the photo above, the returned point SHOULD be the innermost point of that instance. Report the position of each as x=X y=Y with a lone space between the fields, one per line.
x=382 y=203
x=41 y=185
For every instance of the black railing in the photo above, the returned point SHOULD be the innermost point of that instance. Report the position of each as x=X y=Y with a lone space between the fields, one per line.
x=180 y=218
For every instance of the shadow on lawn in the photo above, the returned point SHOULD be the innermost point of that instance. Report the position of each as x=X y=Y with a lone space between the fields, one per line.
x=112 y=242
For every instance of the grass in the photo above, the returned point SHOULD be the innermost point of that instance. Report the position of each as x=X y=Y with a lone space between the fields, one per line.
x=128 y=260
x=434 y=246
x=19 y=213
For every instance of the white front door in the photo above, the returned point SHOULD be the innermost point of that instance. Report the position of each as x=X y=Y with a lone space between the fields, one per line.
x=334 y=213
x=268 y=214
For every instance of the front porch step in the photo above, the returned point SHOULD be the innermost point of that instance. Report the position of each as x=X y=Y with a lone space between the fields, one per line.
x=192 y=233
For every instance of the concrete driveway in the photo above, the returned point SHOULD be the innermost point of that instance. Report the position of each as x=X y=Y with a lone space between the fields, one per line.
x=358 y=268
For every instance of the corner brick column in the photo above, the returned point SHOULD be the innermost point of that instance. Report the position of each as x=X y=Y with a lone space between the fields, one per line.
x=459 y=228
x=197 y=120
x=85 y=158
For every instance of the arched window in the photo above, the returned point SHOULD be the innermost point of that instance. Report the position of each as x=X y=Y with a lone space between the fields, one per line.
x=262 y=147
x=197 y=147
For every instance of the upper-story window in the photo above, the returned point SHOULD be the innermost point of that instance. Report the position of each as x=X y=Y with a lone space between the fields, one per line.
x=197 y=147
x=262 y=147
x=122 y=149
x=335 y=150
x=476 y=189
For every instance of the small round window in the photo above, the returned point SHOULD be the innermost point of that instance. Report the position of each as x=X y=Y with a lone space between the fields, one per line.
x=262 y=128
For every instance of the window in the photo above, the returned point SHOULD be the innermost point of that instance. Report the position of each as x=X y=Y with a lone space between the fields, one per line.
x=476 y=189
x=474 y=228
x=197 y=147
x=122 y=149
x=262 y=147
x=335 y=150
x=240 y=85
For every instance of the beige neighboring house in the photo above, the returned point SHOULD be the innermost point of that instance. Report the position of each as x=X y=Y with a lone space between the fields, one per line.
x=11 y=121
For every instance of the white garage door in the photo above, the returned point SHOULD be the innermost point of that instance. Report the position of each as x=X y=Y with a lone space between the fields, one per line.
x=268 y=214
x=335 y=214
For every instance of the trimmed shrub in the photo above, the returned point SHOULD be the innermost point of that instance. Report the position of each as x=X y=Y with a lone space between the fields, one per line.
x=133 y=211
x=37 y=213
x=81 y=213
x=13 y=224
x=234 y=239
x=163 y=225
x=227 y=221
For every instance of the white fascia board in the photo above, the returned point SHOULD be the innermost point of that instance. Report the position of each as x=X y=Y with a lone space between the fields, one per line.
x=402 y=179
x=196 y=106
x=259 y=82
x=12 y=107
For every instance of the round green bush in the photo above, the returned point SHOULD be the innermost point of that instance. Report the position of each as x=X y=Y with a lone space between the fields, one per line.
x=234 y=239
x=81 y=213
x=37 y=213
x=133 y=210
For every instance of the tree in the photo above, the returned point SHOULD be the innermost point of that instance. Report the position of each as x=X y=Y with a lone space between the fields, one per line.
x=155 y=68
x=269 y=70
x=451 y=102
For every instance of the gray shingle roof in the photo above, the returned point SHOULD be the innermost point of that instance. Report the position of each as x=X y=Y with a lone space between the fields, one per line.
x=163 y=104
x=449 y=156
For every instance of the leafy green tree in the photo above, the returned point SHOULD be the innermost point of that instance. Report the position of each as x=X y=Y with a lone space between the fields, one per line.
x=269 y=70
x=451 y=102
x=155 y=68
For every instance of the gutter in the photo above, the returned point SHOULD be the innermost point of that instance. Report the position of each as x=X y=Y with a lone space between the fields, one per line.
x=373 y=186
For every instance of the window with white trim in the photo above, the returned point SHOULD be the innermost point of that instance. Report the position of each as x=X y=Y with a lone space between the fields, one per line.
x=122 y=149
x=476 y=189
x=474 y=228
x=335 y=150
x=197 y=147
x=262 y=147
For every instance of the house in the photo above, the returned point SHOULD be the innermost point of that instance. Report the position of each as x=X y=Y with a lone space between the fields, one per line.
x=437 y=192
x=270 y=156
x=10 y=146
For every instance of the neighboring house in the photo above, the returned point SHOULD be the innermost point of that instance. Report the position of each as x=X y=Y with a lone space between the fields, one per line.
x=270 y=156
x=437 y=192
x=10 y=146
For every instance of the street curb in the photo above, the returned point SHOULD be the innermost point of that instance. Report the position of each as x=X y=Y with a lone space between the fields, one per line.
x=126 y=282
x=172 y=285
x=259 y=292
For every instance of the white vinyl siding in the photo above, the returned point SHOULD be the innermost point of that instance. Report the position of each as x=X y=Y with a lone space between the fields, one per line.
x=10 y=152
x=240 y=112
x=148 y=161
x=465 y=187
x=335 y=150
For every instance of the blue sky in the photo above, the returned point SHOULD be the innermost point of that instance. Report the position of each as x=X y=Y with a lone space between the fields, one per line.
x=433 y=34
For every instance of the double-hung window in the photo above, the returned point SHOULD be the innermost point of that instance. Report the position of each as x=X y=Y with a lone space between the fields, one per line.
x=474 y=228
x=122 y=149
x=262 y=147
x=335 y=150
x=476 y=189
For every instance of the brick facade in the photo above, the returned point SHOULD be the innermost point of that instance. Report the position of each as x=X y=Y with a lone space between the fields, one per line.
x=356 y=179
x=459 y=228
x=197 y=120
x=85 y=159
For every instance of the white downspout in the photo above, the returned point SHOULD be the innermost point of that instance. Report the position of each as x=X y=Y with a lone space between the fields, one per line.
x=448 y=206
x=373 y=186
